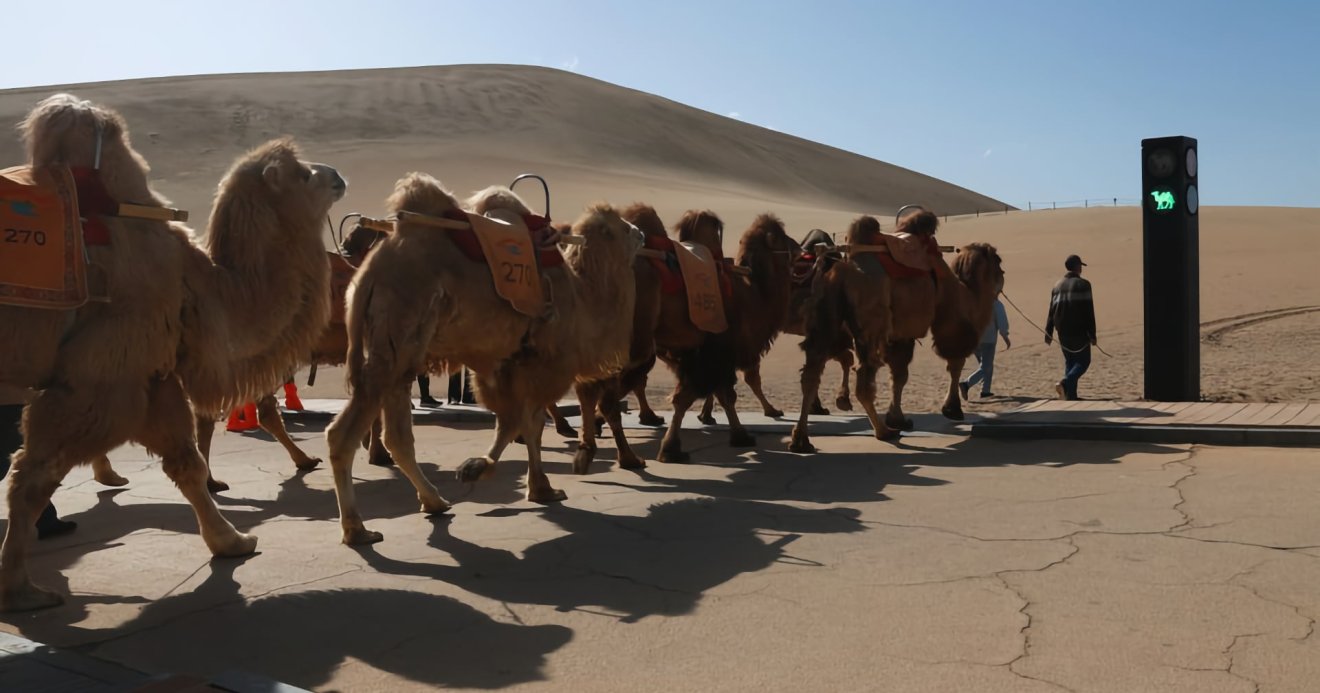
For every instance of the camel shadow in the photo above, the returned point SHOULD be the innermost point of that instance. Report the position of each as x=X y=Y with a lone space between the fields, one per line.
x=304 y=637
x=627 y=567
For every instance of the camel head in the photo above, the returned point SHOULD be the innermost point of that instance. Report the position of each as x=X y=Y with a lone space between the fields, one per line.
x=271 y=196
x=65 y=130
x=609 y=239
x=644 y=217
x=766 y=248
x=702 y=227
x=979 y=266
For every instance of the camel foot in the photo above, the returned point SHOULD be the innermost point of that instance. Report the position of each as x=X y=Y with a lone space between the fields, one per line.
x=818 y=410
x=108 y=477
x=361 y=536
x=233 y=546
x=650 y=418
x=28 y=597
x=434 y=506
x=772 y=412
x=674 y=455
x=564 y=430
x=216 y=486
x=888 y=434
x=801 y=445
x=843 y=403
x=474 y=469
x=631 y=461
x=381 y=458
x=582 y=460
x=708 y=420
x=741 y=439
x=307 y=464
x=899 y=423
x=953 y=413
x=546 y=495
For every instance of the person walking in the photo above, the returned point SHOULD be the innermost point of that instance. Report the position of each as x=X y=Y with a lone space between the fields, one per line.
x=1072 y=314
x=985 y=352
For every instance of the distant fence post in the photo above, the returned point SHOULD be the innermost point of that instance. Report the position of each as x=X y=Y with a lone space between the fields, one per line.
x=1028 y=206
x=1054 y=205
x=1086 y=204
x=978 y=213
x=1115 y=201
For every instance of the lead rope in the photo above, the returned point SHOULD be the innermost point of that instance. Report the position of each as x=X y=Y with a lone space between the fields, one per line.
x=1042 y=330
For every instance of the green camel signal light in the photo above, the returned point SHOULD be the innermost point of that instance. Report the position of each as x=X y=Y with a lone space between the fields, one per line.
x=1163 y=200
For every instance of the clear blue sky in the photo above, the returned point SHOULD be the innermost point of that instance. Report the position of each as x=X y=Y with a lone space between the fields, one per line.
x=1021 y=100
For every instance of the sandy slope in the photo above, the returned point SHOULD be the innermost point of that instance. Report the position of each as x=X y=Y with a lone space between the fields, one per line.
x=476 y=125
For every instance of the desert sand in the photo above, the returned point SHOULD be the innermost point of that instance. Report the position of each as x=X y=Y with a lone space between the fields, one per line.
x=477 y=125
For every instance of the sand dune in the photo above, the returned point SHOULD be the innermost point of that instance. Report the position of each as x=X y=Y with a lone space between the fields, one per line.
x=477 y=125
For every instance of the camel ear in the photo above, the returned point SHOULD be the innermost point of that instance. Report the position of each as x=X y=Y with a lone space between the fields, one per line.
x=272 y=175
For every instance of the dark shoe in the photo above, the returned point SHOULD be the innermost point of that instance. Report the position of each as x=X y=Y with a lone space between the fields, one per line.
x=53 y=528
x=429 y=401
x=986 y=395
x=963 y=387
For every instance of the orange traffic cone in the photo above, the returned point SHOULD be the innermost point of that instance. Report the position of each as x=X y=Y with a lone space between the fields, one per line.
x=291 y=400
x=243 y=418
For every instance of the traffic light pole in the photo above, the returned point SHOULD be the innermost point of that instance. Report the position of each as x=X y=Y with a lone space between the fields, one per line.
x=1172 y=273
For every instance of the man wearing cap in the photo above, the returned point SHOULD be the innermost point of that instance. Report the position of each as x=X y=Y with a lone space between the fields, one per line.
x=1073 y=315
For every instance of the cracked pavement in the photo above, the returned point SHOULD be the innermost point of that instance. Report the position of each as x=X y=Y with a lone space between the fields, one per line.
x=942 y=563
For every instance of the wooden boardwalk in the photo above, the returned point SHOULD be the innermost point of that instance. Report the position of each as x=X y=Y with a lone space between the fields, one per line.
x=1226 y=423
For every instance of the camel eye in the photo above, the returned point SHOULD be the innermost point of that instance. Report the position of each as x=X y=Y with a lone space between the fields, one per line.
x=306 y=173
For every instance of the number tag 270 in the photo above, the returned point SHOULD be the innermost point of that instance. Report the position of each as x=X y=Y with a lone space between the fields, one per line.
x=25 y=236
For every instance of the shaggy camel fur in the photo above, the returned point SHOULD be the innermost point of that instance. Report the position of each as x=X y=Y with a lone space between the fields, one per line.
x=884 y=317
x=604 y=394
x=763 y=302
x=419 y=298
x=795 y=323
x=185 y=326
x=704 y=364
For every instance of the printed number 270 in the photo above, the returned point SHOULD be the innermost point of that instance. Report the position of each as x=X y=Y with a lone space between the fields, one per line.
x=516 y=273
x=25 y=236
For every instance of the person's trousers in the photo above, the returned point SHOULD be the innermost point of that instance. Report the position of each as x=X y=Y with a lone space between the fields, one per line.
x=985 y=355
x=1075 y=364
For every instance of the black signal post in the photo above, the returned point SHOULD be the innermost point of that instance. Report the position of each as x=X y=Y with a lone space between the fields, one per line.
x=1170 y=239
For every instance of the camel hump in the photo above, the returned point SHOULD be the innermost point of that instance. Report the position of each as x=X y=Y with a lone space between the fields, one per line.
x=42 y=264
x=908 y=250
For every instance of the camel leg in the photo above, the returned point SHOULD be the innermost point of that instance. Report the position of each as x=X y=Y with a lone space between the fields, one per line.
x=397 y=435
x=377 y=454
x=866 y=391
x=589 y=398
x=562 y=427
x=33 y=481
x=614 y=417
x=952 y=402
x=671 y=447
x=105 y=474
x=476 y=468
x=268 y=417
x=170 y=432
x=646 y=416
x=706 y=416
x=844 y=402
x=342 y=438
x=539 y=489
x=899 y=357
x=811 y=371
x=752 y=376
x=205 y=432
x=738 y=436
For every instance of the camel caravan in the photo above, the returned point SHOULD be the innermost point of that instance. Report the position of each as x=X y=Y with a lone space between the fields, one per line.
x=123 y=327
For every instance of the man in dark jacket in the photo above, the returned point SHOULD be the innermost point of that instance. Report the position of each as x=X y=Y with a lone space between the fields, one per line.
x=1073 y=315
